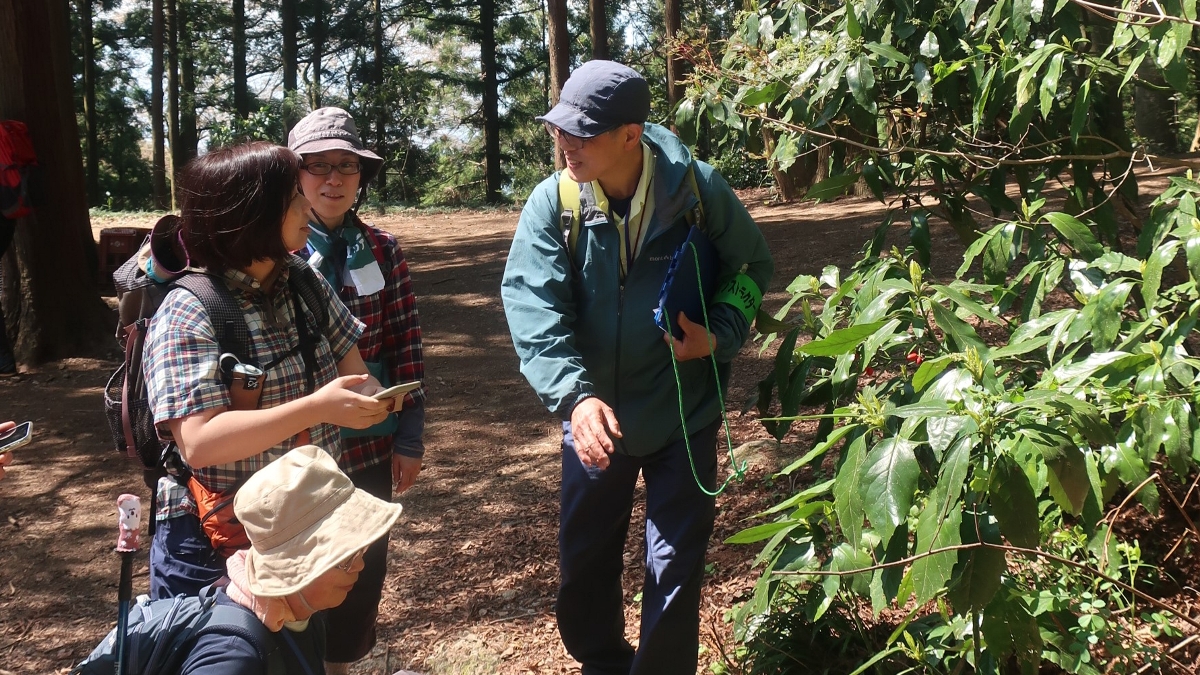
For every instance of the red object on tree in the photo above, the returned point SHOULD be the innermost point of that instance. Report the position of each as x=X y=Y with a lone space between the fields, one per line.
x=915 y=358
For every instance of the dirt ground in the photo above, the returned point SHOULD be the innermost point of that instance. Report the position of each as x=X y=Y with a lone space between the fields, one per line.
x=473 y=566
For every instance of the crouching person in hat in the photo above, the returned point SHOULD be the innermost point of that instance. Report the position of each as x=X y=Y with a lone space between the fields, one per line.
x=579 y=304
x=366 y=268
x=308 y=528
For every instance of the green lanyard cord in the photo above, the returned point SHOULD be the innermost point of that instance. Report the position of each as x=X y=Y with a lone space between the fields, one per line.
x=739 y=471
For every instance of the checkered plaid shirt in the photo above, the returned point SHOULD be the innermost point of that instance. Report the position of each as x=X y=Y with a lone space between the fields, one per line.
x=182 y=376
x=392 y=337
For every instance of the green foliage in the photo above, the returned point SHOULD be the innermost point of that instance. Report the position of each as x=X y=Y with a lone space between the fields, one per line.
x=976 y=473
x=939 y=102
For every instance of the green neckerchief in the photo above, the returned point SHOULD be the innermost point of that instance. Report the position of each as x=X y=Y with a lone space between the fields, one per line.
x=344 y=258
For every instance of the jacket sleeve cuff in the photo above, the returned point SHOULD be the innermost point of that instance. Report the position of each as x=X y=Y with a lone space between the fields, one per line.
x=565 y=412
x=731 y=329
x=408 y=439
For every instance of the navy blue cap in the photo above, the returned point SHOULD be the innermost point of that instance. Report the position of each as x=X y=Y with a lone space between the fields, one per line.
x=599 y=96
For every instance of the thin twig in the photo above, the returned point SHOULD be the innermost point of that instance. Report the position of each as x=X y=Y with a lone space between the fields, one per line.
x=1172 y=650
x=1115 y=513
x=1179 y=506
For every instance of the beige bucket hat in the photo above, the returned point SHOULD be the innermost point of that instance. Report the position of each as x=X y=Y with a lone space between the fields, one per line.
x=303 y=516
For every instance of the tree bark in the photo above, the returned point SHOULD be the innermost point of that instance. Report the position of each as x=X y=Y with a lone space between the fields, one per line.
x=55 y=310
x=377 y=103
x=676 y=67
x=159 y=160
x=172 y=27
x=318 y=53
x=598 y=18
x=241 y=89
x=89 y=102
x=560 y=59
x=189 y=135
x=288 y=19
x=1154 y=111
x=491 y=99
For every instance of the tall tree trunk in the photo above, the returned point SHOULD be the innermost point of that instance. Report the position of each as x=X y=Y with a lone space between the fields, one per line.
x=676 y=68
x=173 y=140
x=318 y=53
x=377 y=102
x=599 y=24
x=289 y=21
x=241 y=89
x=491 y=99
x=189 y=134
x=50 y=298
x=159 y=161
x=560 y=58
x=89 y=102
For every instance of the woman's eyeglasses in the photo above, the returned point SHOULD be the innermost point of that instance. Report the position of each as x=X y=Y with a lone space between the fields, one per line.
x=323 y=168
x=348 y=564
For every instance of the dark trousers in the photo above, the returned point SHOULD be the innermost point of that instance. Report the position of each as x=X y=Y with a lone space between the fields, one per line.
x=351 y=625
x=596 y=508
x=182 y=560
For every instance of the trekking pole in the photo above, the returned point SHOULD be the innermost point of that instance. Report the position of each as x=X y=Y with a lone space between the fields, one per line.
x=129 y=526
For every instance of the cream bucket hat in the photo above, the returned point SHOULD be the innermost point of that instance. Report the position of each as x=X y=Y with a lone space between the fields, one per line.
x=303 y=516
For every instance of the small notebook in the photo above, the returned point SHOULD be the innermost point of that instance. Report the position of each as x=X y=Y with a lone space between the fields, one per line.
x=682 y=291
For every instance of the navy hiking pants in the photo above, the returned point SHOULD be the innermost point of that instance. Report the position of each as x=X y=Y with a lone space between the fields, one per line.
x=596 y=508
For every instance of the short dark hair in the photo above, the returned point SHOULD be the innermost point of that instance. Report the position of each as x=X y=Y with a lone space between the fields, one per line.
x=232 y=204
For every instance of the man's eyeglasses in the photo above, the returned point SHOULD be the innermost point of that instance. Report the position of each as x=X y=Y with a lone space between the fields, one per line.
x=323 y=168
x=568 y=141
x=348 y=564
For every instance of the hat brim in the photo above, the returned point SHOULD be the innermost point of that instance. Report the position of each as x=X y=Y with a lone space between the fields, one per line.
x=371 y=162
x=288 y=568
x=575 y=121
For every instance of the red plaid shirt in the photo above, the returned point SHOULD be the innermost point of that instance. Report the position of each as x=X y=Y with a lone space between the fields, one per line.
x=392 y=337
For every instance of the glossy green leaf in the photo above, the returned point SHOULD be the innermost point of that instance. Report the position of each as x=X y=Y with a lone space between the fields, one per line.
x=853 y=28
x=924 y=83
x=889 y=481
x=930 y=574
x=1014 y=503
x=969 y=304
x=928 y=371
x=999 y=254
x=847 y=499
x=1083 y=107
x=1020 y=18
x=887 y=51
x=1104 y=313
x=918 y=234
x=930 y=48
x=760 y=532
x=963 y=335
x=1069 y=483
x=1155 y=264
x=1049 y=86
x=834 y=186
x=819 y=449
x=1011 y=631
x=861 y=80
x=979 y=571
x=1192 y=247
x=842 y=341
x=1076 y=234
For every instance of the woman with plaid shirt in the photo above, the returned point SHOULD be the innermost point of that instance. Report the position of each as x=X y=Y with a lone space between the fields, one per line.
x=367 y=268
x=241 y=214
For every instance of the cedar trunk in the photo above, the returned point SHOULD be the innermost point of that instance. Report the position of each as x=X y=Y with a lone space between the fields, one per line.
x=288 y=19
x=560 y=58
x=599 y=25
x=676 y=68
x=189 y=134
x=159 y=160
x=241 y=90
x=172 y=34
x=50 y=298
x=491 y=99
x=89 y=102
x=318 y=53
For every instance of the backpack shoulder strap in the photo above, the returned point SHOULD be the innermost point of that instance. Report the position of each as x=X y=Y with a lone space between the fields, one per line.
x=241 y=622
x=303 y=280
x=228 y=320
x=569 y=216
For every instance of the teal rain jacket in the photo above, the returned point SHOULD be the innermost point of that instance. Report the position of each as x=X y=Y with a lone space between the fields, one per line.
x=580 y=332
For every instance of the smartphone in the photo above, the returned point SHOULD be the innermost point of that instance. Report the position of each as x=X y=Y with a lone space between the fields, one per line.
x=396 y=391
x=15 y=438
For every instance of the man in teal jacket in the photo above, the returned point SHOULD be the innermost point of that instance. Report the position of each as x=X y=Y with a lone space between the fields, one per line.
x=580 y=305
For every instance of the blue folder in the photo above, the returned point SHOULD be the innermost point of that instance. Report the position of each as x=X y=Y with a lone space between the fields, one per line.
x=682 y=291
